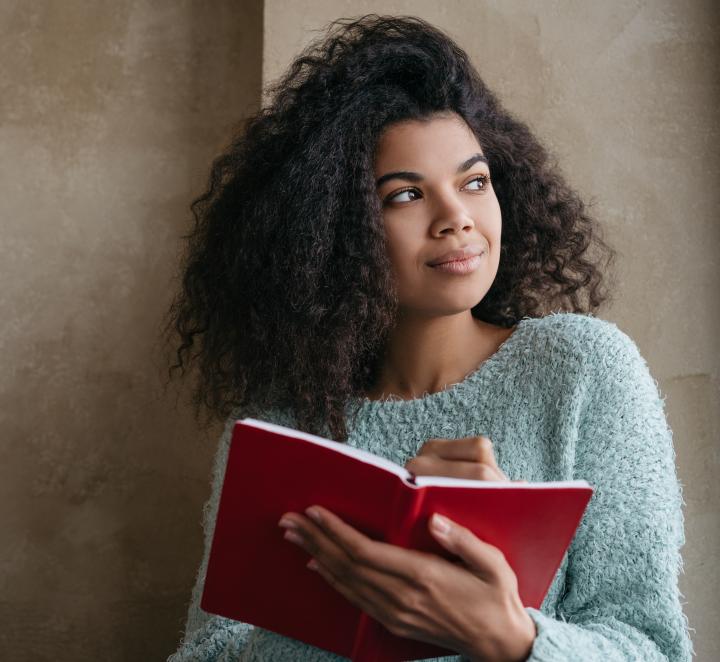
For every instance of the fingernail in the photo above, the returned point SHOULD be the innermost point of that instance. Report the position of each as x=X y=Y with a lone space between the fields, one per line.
x=314 y=515
x=312 y=564
x=440 y=523
x=287 y=523
x=293 y=537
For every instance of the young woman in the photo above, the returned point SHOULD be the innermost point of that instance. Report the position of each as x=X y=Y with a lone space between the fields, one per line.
x=387 y=257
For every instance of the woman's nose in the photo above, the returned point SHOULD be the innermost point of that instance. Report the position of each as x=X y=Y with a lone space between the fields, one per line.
x=449 y=211
x=451 y=216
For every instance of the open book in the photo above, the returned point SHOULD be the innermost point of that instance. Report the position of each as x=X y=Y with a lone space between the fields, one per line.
x=256 y=576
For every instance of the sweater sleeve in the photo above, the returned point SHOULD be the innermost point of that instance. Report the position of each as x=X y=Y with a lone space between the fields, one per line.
x=210 y=638
x=621 y=599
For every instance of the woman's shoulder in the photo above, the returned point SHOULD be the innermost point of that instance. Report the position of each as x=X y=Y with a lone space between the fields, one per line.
x=591 y=344
x=603 y=352
x=582 y=334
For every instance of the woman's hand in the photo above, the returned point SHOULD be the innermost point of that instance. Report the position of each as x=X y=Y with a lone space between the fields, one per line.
x=469 y=457
x=473 y=609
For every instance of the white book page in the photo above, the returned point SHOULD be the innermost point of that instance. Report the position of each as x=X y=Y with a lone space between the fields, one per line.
x=447 y=481
x=402 y=472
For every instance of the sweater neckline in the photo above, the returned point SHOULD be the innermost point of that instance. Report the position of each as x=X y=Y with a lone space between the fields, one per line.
x=488 y=366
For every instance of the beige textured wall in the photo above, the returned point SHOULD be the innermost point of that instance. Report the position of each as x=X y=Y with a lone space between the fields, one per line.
x=109 y=115
x=626 y=95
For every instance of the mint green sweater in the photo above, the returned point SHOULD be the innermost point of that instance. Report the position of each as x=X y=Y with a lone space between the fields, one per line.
x=567 y=396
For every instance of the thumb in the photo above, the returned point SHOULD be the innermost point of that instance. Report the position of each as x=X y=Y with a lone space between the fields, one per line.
x=481 y=557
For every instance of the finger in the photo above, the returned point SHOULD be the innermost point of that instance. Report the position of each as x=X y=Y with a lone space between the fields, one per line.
x=337 y=584
x=387 y=559
x=391 y=613
x=372 y=598
x=470 y=449
x=430 y=465
x=364 y=582
x=431 y=446
x=482 y=558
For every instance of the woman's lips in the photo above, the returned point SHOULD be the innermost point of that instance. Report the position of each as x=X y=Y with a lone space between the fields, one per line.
x=460 y=267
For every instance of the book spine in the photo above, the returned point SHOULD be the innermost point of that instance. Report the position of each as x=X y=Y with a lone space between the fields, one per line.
x=407 y=504
x=369 y=636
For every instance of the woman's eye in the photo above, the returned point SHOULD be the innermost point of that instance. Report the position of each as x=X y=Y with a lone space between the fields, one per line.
x=396 y=196
x=482 y=181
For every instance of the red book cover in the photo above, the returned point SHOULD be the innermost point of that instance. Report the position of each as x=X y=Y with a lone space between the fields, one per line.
x=255 y=576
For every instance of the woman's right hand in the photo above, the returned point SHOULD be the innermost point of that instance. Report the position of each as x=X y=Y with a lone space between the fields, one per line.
x=467 y=457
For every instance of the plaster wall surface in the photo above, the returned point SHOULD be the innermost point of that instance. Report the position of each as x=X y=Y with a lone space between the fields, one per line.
x=110 y=115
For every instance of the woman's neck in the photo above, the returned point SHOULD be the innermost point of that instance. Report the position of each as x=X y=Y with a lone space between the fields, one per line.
x=424 y=355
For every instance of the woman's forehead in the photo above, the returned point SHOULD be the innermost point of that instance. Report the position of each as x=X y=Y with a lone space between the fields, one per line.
x=440 y=140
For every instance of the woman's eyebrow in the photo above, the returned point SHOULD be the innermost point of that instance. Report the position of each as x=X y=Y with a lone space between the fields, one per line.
x=417 y=177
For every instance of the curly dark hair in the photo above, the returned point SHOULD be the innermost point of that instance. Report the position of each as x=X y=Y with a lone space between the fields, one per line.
x=287 y=297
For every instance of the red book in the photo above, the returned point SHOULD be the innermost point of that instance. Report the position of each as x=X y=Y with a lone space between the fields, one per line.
x=256 y=576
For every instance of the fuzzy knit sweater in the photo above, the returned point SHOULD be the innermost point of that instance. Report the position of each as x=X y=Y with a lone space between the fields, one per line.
x=566 y=396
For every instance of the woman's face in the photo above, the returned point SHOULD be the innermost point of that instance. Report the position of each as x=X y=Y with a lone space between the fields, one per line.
x=439 y=200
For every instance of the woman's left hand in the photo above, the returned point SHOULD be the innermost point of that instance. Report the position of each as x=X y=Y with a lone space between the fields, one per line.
x=472 y=608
